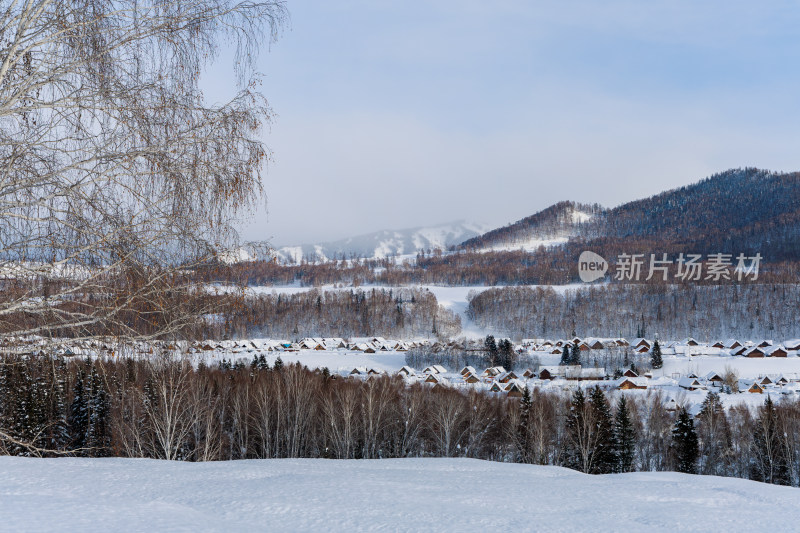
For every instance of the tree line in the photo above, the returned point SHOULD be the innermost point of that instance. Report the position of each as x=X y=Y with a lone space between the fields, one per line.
x=705 y=312
x=397 y=313
x=172 y=410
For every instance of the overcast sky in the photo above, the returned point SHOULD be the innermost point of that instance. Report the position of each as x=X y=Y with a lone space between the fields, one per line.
x=394 y=114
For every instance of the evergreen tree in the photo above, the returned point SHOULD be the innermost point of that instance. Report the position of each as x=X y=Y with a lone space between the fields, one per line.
x=525 y=405
x=624 y=437
x=27 y=411
x=655 y=359
x=566 y=357
x=78 y=419
x=684 y=443
x=97 y=430
x=506 y=354
x=278 y=364
x=575 y=359
x=262 y=363
x=56 y=433
x=603 y=456
x=575 y=450
x=492 y=352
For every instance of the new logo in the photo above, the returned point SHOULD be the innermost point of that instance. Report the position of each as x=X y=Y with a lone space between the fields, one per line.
x=591 y=267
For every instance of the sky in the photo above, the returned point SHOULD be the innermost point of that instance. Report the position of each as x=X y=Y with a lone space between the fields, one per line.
x=391 y=114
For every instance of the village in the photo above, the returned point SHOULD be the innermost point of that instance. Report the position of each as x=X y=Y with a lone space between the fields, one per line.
x=690 y=369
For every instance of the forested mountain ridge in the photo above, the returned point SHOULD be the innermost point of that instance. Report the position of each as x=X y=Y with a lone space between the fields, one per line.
x=740 y=210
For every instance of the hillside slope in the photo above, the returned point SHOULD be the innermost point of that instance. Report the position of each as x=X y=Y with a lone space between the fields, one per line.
x=549 y=227
x=359 y=495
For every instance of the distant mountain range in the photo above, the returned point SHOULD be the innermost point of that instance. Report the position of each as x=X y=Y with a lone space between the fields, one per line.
x=385 y=243
x=737 y=211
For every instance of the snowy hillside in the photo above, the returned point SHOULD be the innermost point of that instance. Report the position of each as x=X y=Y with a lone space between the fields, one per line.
x=551 y=227
x=386 y=242
x=392 y=495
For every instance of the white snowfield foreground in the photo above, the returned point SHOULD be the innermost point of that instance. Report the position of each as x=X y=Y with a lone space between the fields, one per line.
x=386 y=495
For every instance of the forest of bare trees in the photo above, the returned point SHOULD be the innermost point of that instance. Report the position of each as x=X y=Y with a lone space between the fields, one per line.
x=171 y=410
x=395 y=313
x=705 y=312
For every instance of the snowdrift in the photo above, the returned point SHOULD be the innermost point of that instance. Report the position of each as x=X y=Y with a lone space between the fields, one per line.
x=395 y=495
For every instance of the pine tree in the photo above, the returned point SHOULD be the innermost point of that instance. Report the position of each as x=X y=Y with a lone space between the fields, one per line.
x=78 y=419
x=26 y=408
x=278 y=364
x=566 y=357
x=684 y=443
x=57 y=431
x=97 y=430
x=506 y=354
x=603 y=457
x=525 y=405
x=655 y=359
x=263 y=365
x=624 y=437
x=575 y=359
x=492 y=352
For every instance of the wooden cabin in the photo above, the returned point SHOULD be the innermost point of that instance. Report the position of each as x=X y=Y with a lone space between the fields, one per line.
x=472 y=378
x=467 y=370
x=755 y=351
x=406 y=370
x=514 y=390
x=627 y=383
x=507 y=376
x=690 y=384
x=775 y=351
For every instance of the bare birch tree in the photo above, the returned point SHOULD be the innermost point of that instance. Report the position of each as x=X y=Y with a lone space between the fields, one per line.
x=115 y=175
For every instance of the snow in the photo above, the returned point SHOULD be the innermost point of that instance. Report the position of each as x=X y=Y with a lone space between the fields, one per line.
x=745 y=367
x=338 y=360
x=392 y=494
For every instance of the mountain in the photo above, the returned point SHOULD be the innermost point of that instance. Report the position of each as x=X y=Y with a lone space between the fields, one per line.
x=385 y=243
x=550 y=227
x=737 y=211
x=740 y=210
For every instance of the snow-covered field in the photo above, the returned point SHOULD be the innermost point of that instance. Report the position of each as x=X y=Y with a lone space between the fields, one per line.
x=382 y=495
